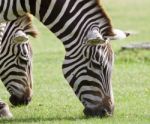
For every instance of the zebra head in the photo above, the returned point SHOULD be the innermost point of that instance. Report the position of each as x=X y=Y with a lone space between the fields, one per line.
x=89 y=74
x=16 y=59
x=88 y=68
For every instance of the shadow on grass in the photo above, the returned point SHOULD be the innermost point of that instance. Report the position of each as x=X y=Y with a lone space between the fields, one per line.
x=72 y=119
x=40 y=119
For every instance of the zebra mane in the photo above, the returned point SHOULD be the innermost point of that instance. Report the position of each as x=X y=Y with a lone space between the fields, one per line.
x=107 y=19
x=27 y=25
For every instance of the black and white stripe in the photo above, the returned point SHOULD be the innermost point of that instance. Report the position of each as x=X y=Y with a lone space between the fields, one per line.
x=16 y=59
x=78 y=24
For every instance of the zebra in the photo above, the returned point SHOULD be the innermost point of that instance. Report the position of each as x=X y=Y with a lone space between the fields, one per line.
x=16 y=61
x=85 y=31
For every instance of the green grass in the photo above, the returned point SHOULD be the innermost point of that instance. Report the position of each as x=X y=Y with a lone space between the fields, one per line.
x=55 y=102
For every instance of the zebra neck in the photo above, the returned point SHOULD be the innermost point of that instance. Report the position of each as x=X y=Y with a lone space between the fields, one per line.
x=71 y=20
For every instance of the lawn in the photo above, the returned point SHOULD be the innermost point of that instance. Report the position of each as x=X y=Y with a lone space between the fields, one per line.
x=54 y=101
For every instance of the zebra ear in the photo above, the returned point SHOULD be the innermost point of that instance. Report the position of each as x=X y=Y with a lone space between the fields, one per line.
x=94 y=37
x=118 y=35
x=20 y=37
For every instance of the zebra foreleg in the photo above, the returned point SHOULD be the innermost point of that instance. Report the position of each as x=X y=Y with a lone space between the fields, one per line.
x=4 y=110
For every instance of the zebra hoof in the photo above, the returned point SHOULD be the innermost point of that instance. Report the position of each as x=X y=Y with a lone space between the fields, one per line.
x=4 y=111
x=18 y=101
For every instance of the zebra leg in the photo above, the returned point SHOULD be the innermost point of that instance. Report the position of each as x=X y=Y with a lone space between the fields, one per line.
x=4 y=110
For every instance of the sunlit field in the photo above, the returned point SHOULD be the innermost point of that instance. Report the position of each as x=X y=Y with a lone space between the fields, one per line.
x=54 y=101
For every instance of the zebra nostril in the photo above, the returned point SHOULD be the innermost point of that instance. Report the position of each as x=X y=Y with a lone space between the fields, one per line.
x=27 y=100
x=2 y=105
x=17 y=101
x=103 y=112
x=13 y=100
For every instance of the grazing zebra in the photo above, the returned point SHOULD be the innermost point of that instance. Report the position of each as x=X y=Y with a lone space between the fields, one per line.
x=85 y=31
x=16 y=61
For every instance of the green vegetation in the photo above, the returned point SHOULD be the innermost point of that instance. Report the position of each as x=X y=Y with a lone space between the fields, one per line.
x=54 y=101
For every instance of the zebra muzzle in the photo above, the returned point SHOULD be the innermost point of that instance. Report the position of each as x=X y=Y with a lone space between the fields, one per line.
x=98 y=112
x=19 y=101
